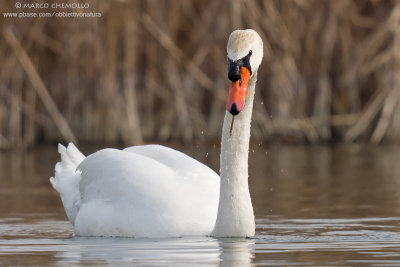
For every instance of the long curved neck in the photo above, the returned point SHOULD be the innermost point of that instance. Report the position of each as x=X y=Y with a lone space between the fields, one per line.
x=235 y=212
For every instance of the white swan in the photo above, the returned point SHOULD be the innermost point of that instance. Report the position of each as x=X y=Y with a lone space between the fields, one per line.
x=155 y=191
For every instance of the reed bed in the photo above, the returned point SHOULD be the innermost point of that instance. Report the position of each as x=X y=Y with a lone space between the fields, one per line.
x=151 y=70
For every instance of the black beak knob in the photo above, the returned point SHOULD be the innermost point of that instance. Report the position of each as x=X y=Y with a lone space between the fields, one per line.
x=234 y=71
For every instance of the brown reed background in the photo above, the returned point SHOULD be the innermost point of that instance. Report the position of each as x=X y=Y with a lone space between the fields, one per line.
x=152 y=70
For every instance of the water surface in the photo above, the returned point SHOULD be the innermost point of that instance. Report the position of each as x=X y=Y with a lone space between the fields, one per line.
x=325 y=206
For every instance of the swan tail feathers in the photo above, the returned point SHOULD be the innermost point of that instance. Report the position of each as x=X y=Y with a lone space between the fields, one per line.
x=66 y=179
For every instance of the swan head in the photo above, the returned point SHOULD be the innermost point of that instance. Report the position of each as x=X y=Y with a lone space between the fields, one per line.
x=245 y=53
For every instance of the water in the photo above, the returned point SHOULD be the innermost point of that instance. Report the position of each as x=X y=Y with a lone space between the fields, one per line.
x=317 y=206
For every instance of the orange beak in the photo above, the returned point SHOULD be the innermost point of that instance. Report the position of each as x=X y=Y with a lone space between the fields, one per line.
x=238 y=92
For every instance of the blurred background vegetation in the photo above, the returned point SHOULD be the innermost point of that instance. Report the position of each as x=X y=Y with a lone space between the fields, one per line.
x=156 y=71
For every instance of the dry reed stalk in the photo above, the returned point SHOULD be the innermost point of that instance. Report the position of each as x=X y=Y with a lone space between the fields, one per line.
x=39 y=86
x=368 y=114
x=29 y=127
x=132 y=134
x=113 y=115
x=15 y=134
x=387 y=111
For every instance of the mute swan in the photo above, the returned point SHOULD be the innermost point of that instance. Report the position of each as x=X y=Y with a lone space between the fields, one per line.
x=155 y=191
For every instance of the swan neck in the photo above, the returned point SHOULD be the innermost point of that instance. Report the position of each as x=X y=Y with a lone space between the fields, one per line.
x=235 y=211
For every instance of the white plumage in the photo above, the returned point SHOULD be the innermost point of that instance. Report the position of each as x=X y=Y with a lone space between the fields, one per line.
x=137 y=192
x=155 y=191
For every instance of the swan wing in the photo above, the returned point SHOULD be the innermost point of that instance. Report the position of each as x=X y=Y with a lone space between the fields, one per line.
x=175 y=160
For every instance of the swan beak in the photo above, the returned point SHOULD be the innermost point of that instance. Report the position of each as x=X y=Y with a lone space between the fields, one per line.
x=238 y=92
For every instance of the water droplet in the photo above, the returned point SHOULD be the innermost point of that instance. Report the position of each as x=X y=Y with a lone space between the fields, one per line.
x=206 y=154
x=262 y=102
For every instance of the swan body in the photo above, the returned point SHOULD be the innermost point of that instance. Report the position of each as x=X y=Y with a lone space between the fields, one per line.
x=137 y=192
x=155 y=191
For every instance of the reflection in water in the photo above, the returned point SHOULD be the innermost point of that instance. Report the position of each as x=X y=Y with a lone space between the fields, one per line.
x=52 y=239
x=236 y=252
x=185 y=251
x=287 y=242
x=314 y=206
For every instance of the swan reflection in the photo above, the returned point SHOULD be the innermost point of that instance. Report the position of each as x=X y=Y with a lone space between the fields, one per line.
x=236 y=252
x=184 y=251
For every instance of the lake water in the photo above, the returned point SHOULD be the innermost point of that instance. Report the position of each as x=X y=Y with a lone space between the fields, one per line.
x=318 y=206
